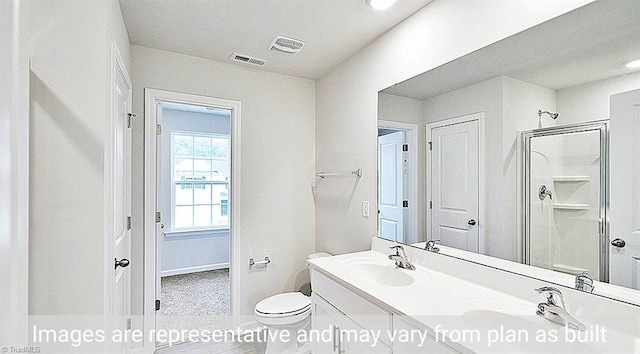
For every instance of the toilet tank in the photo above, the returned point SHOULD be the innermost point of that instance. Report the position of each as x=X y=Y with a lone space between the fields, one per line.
x=306 y=287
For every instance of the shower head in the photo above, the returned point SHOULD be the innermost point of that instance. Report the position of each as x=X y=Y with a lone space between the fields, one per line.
x=551 y=114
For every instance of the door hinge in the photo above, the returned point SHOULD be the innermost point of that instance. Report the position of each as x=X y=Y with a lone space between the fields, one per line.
x=430 y=146
x=130 y=117
x=128 y=324
x=601 y=226
x=158 y=216
x=405 y=203
x=158 y=129
x=430 y=205
x=128 y=223
x=157 y=305
x=405 y=147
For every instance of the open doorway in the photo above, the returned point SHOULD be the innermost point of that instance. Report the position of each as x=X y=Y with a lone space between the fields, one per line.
x=194 y=248
x=192 y=214
x=397 y=182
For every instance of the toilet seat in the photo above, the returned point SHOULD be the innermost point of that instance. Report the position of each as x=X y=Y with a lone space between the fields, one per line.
x=283 y=305
x=288 y=312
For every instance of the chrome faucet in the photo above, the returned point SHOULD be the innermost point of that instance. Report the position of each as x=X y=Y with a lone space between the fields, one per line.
x=556 y=312
x=431 y=246
x=584 y=282
x=401 y=258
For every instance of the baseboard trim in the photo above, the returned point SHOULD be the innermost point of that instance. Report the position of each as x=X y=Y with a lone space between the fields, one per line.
x=202 y=268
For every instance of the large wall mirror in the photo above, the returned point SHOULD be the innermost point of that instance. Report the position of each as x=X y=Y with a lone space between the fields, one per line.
x=524 y=155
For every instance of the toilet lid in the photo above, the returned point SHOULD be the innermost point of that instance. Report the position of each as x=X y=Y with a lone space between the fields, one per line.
x=283 y=304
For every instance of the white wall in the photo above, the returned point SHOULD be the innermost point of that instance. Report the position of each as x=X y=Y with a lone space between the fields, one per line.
x=522 y=100
x=277 y=161
x=347 y=98
x=203 y=250
x=14 y=170
x=591 y=101
x=70 y=107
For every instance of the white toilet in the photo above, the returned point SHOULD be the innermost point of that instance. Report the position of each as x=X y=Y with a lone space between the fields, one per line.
x=286 y=312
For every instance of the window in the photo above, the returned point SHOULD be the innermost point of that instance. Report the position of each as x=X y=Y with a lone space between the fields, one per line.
x=200 y=167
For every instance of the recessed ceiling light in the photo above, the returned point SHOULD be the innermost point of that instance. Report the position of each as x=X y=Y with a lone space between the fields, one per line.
x=380 y=4
x=634 y=64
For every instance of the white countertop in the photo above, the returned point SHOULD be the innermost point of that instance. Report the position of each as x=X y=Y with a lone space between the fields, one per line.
x=632 y=296
x=450 y=307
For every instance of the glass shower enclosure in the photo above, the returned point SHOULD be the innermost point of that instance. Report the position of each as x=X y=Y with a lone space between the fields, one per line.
x=565 y=198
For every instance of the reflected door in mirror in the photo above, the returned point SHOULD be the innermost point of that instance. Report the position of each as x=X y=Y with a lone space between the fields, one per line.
x=454 y=180
x=625 y=206
x=390 y=218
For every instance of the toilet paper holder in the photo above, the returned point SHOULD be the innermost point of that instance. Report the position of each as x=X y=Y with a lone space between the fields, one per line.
x=252 y=262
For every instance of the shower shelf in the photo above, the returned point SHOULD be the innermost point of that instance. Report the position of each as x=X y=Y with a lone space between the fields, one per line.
x=571 y=178
x=571 y=206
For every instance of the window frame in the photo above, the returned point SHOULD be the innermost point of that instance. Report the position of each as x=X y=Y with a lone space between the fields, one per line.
x=196 y=231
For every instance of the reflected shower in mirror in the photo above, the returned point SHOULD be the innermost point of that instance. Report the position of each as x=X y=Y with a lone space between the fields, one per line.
x=524 y=151
x=565 y=199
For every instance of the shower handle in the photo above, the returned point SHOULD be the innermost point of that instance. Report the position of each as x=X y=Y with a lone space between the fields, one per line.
x=543 y=192
x=620 y=243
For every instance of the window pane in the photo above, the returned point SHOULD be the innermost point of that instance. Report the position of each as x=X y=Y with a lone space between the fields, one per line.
x=202 y=216
x=218 y=218
x=220 y=147
x=220 y=193
x=202 y=147
x=202 y=170
x=222 y=167
x=182 y=145
x=183 y=170
x=184 y=194
x=202 y=193
x=183 y=217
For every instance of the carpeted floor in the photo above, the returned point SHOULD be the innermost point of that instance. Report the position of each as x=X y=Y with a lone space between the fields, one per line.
x=196 y=294
x=195 y=301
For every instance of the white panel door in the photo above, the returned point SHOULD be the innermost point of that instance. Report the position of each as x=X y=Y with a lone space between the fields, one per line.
x=454 y=185
x=121 y=204
x=390 y=212
x=624 y=261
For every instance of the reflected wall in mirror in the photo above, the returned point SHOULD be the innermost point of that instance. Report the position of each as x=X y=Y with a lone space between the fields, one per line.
x=470 y=180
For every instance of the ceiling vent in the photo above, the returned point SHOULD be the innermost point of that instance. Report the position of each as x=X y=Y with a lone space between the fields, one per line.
x=286 y=45
x=247 y=59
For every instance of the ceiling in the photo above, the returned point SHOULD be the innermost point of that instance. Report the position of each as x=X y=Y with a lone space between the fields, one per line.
x=333 y=30
x=588 y=44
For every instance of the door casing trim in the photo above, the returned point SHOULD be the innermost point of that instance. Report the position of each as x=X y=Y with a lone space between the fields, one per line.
x=153 y=97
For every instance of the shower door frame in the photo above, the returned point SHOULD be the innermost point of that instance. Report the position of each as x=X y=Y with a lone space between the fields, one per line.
x=603 y=219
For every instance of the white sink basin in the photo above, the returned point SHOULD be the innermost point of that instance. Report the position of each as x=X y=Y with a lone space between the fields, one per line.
x=375 y=271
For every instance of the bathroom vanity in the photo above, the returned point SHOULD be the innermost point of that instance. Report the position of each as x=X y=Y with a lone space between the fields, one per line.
x=363 y=303
x=341 y=309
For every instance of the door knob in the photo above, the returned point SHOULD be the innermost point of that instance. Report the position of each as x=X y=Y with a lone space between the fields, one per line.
x=122 y=263
x=471 y=222
x=618 y=243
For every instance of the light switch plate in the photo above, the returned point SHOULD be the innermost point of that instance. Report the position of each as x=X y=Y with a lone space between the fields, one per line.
x=365 y=209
